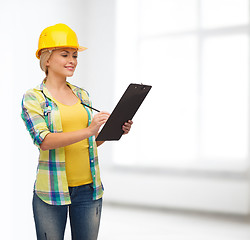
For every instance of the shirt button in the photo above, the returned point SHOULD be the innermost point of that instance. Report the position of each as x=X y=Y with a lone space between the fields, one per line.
x=90 y=146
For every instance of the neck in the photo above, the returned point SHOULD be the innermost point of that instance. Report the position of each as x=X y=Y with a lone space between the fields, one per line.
x=55 y=82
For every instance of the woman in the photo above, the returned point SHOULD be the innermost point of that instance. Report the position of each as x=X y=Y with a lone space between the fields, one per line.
x=59 y=119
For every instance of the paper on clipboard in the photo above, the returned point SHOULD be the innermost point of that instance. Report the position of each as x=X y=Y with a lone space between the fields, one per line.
x=124 y=111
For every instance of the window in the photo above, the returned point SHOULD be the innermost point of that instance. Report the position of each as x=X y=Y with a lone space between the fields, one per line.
x=195 y=54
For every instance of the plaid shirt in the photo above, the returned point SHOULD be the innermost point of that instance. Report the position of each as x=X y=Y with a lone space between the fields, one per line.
x=41 y=116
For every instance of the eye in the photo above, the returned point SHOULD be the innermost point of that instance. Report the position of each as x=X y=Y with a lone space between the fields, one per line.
x=64 y=55
x=75 y=56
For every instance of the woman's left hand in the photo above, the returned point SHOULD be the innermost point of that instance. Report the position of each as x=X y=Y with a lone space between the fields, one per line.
x=126 y=127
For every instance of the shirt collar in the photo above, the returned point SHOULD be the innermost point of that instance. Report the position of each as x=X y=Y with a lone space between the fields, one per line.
x=42 y=87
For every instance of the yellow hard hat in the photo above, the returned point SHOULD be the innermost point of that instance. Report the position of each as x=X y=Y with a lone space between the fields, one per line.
x=59 y=35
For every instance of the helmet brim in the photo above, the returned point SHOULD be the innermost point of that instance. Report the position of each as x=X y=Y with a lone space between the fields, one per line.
x=79 y=49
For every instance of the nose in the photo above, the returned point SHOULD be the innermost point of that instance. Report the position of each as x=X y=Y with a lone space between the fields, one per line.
x=72 y=60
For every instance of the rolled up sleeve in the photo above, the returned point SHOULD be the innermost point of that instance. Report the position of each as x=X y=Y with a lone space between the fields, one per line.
x=33 y=117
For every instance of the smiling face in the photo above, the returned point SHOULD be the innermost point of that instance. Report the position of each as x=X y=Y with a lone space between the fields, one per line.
x=62 y=62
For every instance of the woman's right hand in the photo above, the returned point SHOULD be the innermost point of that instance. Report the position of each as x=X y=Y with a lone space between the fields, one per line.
x=98 y=120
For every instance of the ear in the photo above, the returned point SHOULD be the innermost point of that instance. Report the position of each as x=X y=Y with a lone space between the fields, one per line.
x=47 y=63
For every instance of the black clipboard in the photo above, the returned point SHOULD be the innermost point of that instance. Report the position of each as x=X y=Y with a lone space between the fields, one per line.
x=125 y=110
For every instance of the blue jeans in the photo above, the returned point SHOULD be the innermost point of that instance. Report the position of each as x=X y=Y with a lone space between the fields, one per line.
x=84 y=214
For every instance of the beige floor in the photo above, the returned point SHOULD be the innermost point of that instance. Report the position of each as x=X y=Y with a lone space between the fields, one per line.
x=124 y=223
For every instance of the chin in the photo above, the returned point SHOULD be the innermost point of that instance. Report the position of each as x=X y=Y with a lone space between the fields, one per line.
x=69 y=74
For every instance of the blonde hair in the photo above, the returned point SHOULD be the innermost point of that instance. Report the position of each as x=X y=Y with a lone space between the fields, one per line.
x=44 y=57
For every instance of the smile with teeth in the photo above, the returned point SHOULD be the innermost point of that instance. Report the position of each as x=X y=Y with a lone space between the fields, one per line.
x=71 y=68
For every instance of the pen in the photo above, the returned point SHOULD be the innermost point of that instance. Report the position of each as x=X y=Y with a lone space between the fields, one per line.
x=90 y=107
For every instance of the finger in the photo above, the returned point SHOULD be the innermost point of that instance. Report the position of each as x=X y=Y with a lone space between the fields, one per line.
x=101 y=117
x=127 y=126
x=125 y=129
x=104 y=113
x=128 y=123
x=125 y=132
x=101 y=122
